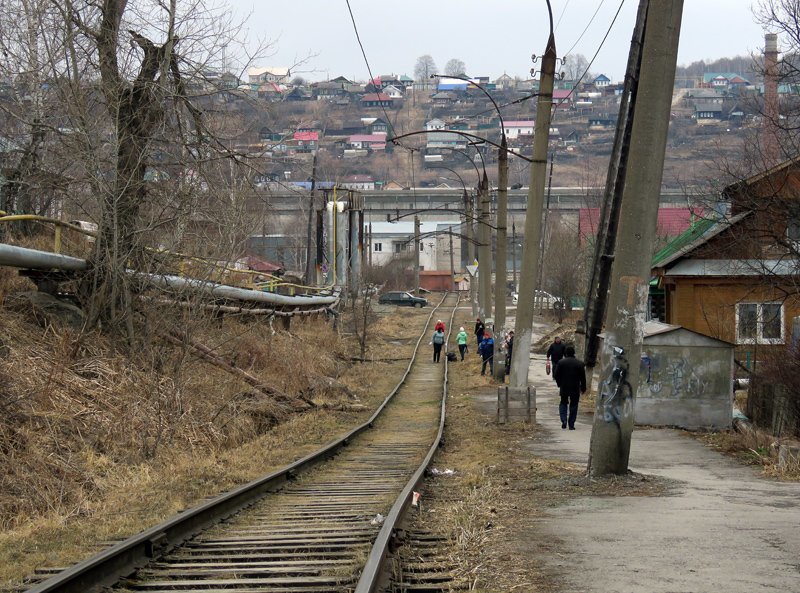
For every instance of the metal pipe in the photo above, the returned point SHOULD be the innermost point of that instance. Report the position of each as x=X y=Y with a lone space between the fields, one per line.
x=22 y=257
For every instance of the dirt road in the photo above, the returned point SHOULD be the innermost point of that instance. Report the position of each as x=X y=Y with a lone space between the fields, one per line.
x=722 y=527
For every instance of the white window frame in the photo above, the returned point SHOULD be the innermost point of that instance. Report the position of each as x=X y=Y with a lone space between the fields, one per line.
x=759 y=339
x=377 y=247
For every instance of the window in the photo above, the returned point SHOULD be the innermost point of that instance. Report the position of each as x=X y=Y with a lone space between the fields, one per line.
x=377 y=247
x=421 y=246
x=398 y=247
x=793 y=231
x=759 y=323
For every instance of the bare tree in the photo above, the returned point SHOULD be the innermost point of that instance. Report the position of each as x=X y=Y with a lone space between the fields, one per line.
x=424 y=67
x=455 y=67
x=565 y=265
x=575 y=66
x=119 y=96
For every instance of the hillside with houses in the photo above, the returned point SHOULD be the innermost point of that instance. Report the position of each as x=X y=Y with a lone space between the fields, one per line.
x=352 y=126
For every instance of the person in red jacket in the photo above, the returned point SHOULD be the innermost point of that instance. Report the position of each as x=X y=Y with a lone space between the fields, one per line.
x=439 y=325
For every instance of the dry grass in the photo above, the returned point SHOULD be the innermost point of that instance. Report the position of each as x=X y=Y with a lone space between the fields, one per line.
x=97 y=444
x=753 y=447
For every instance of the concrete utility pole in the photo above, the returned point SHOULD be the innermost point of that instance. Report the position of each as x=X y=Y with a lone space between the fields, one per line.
x=416 y=254
x=518 y=380
x=469 y=216
x=485 y=251
x=452 y=262
x=514 y=252
x=613 y=419
x=502 y=247
x=310 y=230
x=608 y=222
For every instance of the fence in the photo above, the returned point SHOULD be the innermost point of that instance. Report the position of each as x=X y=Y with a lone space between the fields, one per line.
x=775 y=407
x=515 y=405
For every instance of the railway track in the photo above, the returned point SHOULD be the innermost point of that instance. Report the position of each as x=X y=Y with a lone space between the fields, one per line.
x=323 y=524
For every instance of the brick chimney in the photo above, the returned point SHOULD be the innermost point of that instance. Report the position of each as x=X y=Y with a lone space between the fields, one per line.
x=770 y=143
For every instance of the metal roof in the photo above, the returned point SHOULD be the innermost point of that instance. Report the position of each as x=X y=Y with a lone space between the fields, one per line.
x=697 y=234
x=735 y=267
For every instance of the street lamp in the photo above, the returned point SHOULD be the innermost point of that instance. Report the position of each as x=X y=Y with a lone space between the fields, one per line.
x=502 y=216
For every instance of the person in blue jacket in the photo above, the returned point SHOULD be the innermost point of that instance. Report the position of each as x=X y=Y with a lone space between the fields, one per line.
x=486 y=350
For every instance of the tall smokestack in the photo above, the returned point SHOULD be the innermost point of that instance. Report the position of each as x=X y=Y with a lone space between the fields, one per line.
x=770 y=142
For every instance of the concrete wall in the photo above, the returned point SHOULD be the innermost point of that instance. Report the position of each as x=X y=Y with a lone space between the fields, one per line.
x=684 y=384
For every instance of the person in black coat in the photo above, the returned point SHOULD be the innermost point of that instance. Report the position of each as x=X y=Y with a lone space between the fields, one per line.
x=555 y=353
x=479 y=331
x=570 y=376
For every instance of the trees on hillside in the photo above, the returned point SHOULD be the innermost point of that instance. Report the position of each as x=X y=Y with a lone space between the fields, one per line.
x=424 y=67
x=455 y=67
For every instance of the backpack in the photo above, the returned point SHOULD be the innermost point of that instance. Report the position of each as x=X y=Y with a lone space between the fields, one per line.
x=438 y=338
x=451 y=356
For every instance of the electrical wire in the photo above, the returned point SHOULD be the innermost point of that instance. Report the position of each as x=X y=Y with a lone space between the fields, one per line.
x=366 y=61
x=589 y=24
x=594 y=57
x=561 y=16
x=372 y=81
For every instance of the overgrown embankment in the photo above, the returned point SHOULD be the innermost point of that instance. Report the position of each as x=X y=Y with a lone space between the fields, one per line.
x=98 y=441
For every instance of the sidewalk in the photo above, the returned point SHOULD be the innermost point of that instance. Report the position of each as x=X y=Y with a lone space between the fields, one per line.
x=722 y=528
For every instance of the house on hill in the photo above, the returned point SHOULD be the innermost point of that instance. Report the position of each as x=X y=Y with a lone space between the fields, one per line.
x=601 y=81
x=377 y=100
x=280 y=75
x=735 y=276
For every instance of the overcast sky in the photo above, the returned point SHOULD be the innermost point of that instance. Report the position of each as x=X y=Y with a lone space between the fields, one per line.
x=490 y=36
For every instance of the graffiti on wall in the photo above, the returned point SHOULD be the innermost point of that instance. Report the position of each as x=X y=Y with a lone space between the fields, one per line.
x=674 y=373
x=616 y=394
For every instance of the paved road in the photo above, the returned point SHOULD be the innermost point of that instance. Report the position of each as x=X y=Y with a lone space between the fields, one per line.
x=723 y=529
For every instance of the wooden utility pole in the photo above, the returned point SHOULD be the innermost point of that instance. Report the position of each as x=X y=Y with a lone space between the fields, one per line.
x=518 y=379
x=613 y=419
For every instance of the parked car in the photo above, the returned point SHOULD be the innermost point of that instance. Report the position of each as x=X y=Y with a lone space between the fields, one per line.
x=543 y=299
x=402 y=299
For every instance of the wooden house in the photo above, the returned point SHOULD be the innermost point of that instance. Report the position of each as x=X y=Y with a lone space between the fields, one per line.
x=735 y=276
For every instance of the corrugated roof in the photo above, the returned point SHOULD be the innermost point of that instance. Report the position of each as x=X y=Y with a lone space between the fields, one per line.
x=700 y=232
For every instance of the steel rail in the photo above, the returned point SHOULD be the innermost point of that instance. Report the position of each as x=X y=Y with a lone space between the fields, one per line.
x=122 y=559
x=370 y=578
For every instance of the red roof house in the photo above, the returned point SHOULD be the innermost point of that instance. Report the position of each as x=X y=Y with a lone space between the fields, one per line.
x=671 y=221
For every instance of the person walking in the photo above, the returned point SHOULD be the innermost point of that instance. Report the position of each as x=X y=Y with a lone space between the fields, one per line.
x=486 y=350
x=570 y=376
x=555 y=353
x=439 y=325
x=509 y=350
x=479 y=331
x=461 y=340
x=438 y=343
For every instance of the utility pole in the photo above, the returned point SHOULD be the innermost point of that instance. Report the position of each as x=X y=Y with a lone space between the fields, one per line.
x=452 y=263
x=518 y=379
x=416 y=254
x=310 y=229
x=608 y=222
x=514 y=252
x=502 y=247
x=469 y=227
x=543 y=243
x=484 y=251
x=613 y=419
